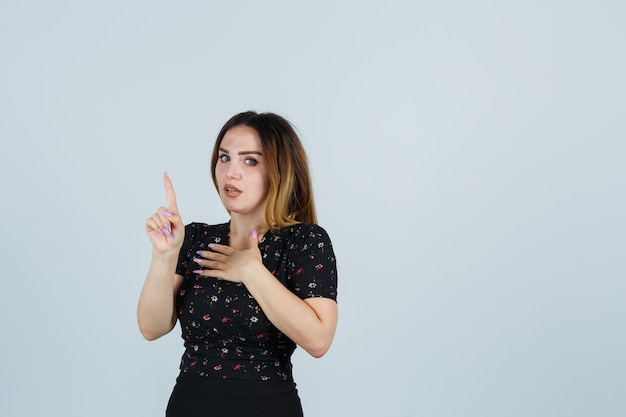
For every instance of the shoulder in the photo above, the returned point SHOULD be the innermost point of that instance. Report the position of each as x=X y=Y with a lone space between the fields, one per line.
x=198 y=226
x=305 y=231
x=304 y=237
x=197 y=231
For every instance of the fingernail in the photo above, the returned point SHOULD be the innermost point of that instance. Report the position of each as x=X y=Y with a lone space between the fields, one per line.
x=165 y=213
x=165 y=174
x=254 y=234
x=168 y=227
x=200 y=252
x=197 y=271
x=211 y=245
x=196 y=260
x=167 y=233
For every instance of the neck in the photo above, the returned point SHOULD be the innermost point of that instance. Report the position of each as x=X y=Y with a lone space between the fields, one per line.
x=241 y=228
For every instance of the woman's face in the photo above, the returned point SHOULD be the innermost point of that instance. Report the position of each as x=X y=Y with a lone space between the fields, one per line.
x=241 y=172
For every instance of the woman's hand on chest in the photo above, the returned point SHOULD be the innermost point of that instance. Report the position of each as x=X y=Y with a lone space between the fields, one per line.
x=234 y=265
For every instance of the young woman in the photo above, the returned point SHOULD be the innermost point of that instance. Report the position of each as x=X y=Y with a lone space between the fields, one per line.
x=248 y=291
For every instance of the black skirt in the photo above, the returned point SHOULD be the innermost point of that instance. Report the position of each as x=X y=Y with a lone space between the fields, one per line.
x=199 y=396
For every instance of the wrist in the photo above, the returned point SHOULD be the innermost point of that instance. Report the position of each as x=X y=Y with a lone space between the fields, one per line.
x=167 y=256
x=253 y=272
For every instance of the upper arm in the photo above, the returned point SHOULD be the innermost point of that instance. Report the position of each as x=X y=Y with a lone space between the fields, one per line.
x=313 y=268
x=326 y=310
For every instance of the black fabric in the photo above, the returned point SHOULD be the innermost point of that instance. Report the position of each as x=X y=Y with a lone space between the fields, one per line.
x=226 y=333
x=197 y=396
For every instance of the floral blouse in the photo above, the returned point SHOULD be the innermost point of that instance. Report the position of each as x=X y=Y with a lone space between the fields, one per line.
x=226 y=333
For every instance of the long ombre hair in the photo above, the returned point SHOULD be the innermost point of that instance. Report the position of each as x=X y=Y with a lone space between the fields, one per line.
x=290 y=199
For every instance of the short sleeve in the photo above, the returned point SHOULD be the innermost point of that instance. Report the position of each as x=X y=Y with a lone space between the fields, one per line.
x=312 y=267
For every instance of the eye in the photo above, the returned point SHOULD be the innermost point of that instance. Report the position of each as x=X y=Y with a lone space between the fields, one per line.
x=250 y=161
x=224 y=157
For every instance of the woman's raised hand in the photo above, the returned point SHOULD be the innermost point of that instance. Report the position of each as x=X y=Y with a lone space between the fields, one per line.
x=165 y=227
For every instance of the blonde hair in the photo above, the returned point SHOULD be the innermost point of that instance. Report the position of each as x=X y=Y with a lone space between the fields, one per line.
x=290 y=195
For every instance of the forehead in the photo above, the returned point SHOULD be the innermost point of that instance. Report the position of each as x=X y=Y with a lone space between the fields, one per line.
x=241 y=138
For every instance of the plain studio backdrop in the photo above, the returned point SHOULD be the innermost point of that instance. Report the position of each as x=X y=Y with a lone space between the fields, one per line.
x=469 y=164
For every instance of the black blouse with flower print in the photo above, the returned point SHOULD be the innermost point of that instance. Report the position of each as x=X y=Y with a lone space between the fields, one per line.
x=226 y=333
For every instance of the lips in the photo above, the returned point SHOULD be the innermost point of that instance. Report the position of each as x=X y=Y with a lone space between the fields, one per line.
x=231 y=191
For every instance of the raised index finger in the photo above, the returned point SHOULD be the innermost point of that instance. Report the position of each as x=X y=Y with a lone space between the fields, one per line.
x=170 y=194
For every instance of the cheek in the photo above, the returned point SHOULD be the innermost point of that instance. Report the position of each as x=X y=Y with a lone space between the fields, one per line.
x=219 y=172
x=264 y=183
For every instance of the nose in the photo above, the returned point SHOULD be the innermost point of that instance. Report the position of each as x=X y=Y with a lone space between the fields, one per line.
x=233 y=173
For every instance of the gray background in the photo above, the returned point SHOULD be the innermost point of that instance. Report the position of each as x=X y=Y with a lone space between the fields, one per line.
x=468 y=161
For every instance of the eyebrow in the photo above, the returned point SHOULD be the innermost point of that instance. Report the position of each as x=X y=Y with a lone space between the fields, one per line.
x=243 y=152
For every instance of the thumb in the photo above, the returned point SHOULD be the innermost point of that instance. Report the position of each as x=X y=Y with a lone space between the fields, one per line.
x=253 y=240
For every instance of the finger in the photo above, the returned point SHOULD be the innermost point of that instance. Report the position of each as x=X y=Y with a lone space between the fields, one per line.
x=253 y=240
x=212 y=256
x=160 y=223
x=153 y=223
x=208 y=264
x=169 y=220
x=167 y=229
x=199 y=261
x=170 y=194
x=212 y=273
x=226 y=250
x=153 y=226
x=199 y=272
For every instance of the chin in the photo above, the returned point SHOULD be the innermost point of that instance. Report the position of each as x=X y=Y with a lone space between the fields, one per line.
x=235 y=208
